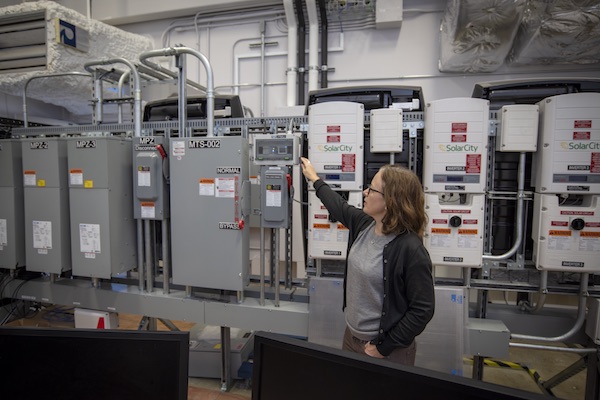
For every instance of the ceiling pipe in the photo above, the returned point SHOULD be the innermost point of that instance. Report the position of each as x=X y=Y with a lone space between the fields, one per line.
x=292 y=56
x=324 y=43
x=313 y=45
x=301 y=50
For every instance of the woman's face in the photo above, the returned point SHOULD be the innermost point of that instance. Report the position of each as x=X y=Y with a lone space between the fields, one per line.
x=374 y=202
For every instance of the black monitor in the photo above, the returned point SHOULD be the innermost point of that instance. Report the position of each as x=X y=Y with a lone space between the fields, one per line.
x=93 y=364
x=292 y=369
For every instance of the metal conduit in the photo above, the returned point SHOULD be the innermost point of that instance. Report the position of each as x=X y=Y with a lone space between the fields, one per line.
x=137 y=92
x=583 y=294
x=553 y=348
x=25 y=117
x=210 y=96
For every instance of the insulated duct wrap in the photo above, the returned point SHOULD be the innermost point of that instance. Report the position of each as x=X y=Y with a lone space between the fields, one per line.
x=98 y=42
x=476 y=35
x=558 y=32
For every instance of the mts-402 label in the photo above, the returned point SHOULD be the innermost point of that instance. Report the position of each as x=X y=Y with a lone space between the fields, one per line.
x=86 y=144
x=38 y=145
x=204 y=144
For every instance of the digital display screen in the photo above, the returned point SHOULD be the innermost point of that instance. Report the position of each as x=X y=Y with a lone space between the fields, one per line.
x=451 y=178
x=335 y=177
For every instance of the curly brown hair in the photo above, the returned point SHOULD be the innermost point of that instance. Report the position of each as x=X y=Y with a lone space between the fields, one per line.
x=404 y=201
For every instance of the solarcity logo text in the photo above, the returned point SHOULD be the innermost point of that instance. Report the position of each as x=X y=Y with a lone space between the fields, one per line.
x=580 y=145
x=335 y=147
x=459 y=148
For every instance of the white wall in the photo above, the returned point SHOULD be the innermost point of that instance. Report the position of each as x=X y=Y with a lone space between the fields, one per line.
x=406 y=56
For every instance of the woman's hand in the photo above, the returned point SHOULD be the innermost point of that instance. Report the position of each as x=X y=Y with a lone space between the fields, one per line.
x=371 y=350
x=308 y=170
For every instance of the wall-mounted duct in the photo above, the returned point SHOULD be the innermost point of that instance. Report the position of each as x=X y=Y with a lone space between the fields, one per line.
x=42 y=37
x=483 y=35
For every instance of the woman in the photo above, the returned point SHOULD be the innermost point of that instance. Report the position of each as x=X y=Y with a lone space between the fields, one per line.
x=388 y=283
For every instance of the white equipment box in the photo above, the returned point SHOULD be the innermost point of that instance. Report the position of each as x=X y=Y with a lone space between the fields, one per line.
x=327 y=239
x=386 y=130
x=454 y=234
x=568 y=156
x=566 y=237
x=336 y=141
x=518 y=128
x=456 y=145
x=93 y=319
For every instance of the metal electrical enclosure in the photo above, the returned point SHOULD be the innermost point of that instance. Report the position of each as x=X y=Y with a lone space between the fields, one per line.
x=12 y=222
x=568 y=156
x=275 y=196
x=103 y=231
x=46 y=193
x=566 y=236
x=151 y=192
x=456 y=145
x=336 y=140
x=454 y=233
x=210 y=195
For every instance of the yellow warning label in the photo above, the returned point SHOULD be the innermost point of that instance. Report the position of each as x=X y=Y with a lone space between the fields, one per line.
x=441 y=231
x=554 y=232
x=41 y=182
x=88 y=184
x=321 y=226
x=467 y=231
x=590 y=234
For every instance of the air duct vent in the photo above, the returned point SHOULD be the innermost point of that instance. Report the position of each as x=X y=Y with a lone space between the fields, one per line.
x=23 y=42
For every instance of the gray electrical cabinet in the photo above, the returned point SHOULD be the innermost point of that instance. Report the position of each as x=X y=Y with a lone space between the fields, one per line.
x=209 y=210
x=103 y=239
x=12 y=222
x=46 y=199
x=150 y=190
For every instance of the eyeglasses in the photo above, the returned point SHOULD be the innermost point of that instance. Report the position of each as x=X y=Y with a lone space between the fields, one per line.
x=370 y=189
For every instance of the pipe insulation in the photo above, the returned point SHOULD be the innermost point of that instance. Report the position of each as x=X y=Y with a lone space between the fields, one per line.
x=64 y=52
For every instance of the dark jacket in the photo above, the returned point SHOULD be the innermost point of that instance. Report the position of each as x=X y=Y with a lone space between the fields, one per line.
x=408 y=294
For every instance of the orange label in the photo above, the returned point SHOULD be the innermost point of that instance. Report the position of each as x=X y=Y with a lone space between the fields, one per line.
x=590 y=234
x=467 y=231
x=559 y=233
x=341 y=226
x=321 y=226
x=77 y=171
x=444 y=231
x=147 y=204
x=29 y=172
x=207 y=180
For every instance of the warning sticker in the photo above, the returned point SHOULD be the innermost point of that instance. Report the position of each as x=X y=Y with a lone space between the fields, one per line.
x=582 y=135
x=595 y=163
x=554 y=232
x=581 y=124
x=225 y=187
x=334 y=138
x=206 y=187
x=459 y=127
x=348 y=162
x=76 y=177
x=334 y=129
x=559 y=223
x=178 y=148
x=439 y=221
x=144 y=176
x=473 y=165
x=441 y=231
x=467 y=231
x=470 y=221
x=148 y=209
x=29 y=178
x=459 y=138
x=321 y=226
x=590 y=234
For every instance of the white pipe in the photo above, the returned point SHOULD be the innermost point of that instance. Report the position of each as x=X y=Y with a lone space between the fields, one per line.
x=292 y=67
x=313 y=45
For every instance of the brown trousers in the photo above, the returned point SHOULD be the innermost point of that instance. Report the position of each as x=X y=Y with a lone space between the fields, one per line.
x=401 y=355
